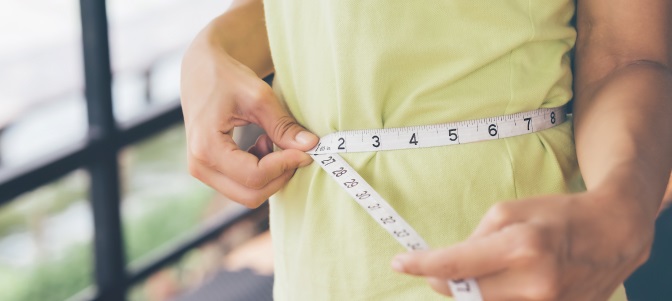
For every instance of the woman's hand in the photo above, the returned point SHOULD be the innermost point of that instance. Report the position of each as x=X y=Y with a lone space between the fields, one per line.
x=220 y=93
x=582 y=246
x=567 y=247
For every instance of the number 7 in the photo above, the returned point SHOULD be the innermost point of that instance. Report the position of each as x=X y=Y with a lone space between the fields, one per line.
x=529 y=122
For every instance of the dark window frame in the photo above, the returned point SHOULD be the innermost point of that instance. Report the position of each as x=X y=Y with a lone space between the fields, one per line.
x=98 y=154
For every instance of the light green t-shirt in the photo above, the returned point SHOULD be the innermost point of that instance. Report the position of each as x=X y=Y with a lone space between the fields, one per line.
x=364 y=64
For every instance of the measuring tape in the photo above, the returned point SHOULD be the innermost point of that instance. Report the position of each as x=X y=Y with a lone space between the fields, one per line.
x=326 y=155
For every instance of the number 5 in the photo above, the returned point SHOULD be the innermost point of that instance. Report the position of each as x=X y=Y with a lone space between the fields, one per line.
x=453 y=134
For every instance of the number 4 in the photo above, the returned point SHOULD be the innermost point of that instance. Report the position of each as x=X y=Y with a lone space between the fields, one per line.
x=413 y=140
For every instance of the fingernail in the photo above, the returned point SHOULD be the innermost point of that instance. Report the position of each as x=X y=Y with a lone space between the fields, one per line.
x=398 y=263
x=303 y=137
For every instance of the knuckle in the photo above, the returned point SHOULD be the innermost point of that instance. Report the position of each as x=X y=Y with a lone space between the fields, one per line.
x=439 y=285
x=450 y=269
x=194 y=169
x=644 y=256
x=636 y=251
x=645 y=247
x=251 y=201
x=543 y=289
x=258 y=97
x=199 y=152
x=283 y=125
x=256 y=181
x=530 y=246
x=500 y=213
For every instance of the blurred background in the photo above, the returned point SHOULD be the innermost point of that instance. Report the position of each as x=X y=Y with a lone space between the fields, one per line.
x=176 y=233
x=96 y=202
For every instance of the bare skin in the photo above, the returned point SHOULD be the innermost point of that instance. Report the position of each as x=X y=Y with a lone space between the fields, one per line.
x=583 y=246
x=563 y=247
x=222 y=89
x=667 y=200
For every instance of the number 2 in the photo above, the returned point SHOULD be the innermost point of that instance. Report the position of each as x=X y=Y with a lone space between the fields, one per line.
x=328 y=161
x=342 y=145
x=351 y=183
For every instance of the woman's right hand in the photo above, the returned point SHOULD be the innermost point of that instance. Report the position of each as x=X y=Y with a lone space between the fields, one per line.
x=219 y=93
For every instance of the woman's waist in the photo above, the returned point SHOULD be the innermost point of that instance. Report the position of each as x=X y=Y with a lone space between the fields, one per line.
x=335 y=116
x=547 y=155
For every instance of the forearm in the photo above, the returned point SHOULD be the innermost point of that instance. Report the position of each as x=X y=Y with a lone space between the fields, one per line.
x=624 y=132
x=239 y=33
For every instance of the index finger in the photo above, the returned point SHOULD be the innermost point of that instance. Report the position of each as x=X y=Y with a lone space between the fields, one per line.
x=469 y=259
x=250 y=171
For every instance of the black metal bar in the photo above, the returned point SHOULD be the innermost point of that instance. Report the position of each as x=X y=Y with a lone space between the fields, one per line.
x=2 y=130
x=159 y=117
x=102 y=145
x=17 y=180
x=147 y=76
x=109 y=259
x=170 y=254
x=176 y=250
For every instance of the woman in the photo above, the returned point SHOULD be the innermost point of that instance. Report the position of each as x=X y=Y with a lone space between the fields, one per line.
x=343 y=65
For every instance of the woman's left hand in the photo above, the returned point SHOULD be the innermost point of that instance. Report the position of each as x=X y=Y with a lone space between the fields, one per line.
x=566 y=247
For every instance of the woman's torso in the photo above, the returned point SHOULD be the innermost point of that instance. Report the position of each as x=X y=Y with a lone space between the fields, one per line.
x=343 y=65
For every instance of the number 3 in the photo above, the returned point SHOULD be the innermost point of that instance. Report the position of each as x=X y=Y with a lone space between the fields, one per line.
x=376 y=141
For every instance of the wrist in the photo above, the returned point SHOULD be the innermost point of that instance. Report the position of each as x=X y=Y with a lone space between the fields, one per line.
x=609 y=232
x=614 y=219
x=626 y=206
x=628 y=188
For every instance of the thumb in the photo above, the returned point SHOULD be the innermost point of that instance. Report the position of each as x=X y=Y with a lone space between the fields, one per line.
x=283 y=129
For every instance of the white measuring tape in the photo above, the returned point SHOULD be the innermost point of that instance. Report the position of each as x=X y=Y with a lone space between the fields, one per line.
x=326 y=155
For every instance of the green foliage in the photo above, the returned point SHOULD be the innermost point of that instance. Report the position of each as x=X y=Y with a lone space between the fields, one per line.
x=43 y=201
x=50 y=280
x=59 y=279
x=170 y=215
x=177 y=217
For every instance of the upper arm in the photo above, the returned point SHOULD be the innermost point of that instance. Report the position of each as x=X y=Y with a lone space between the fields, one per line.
x=617 y=33
x=242 y=33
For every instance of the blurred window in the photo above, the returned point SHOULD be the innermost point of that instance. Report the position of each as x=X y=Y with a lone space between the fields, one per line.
x=147 y=40
x=161 y=201
x=45 y=242
x=43 y=108
x=162 y=204
x=45 y=235
x=41 y=73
